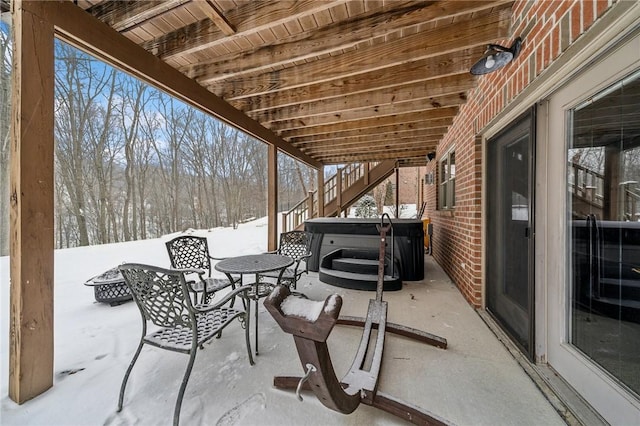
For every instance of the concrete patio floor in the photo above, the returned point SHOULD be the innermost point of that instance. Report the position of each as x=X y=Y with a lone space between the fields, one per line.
x=476 y=381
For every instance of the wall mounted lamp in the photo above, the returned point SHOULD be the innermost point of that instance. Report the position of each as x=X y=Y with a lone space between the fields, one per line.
x=431 y=156
x=496 y=57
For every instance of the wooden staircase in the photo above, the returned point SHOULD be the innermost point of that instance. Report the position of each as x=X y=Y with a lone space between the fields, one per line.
x=341 y=190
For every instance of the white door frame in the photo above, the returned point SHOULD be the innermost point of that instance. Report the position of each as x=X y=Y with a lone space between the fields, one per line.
x=591 y=381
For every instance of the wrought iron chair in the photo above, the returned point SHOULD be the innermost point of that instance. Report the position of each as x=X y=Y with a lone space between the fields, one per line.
x=294 y=244
x=163 y=297
x=191 y=252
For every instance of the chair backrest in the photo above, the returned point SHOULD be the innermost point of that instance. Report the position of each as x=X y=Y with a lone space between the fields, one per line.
x=294 y=244
x=161 y=294
x=188 y=251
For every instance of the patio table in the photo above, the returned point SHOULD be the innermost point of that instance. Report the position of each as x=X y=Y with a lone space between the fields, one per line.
x=255 y=264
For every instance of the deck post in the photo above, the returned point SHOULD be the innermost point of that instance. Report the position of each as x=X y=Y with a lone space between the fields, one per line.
x=31 y=204
x=339 y=192
x=321 y=191
x=272 y=198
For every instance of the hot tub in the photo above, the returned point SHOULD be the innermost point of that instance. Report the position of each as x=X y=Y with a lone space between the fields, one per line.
x=331 y=233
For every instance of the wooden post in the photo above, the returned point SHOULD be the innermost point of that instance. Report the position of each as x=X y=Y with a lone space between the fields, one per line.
x=310 y=205
x=31 y=203
x=397 y=192
x=367 y=167
x=321 y=191
x=339 y=192
x=272 y=202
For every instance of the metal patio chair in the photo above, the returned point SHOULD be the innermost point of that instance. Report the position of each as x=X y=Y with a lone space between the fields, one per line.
x=163 y=298
x=294 y=244
x=191 y=252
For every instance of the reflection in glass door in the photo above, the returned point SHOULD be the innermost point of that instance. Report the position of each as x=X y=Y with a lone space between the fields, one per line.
x=509 y=231
x=603 y=185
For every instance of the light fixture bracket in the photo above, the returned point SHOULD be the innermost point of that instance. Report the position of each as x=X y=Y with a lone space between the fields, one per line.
x=496 y=57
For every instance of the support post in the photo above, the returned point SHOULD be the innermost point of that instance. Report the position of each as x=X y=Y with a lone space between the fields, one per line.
x=321 y=191
x=367 y=168
x=397 y=192
x=310 y=204
x=31 y=230
x=339 y=192
x=272 y=202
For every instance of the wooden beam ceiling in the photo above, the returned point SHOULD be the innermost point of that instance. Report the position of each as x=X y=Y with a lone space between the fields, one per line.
x=329 y=78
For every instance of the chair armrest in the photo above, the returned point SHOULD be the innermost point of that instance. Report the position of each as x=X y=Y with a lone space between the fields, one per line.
x=300 y=259
x=185 y=271
x=190 y=271
x=224 y=300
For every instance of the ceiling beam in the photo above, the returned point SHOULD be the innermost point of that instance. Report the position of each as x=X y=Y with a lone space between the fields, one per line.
x=401 y=144
x=458 y=83
x=439 y=124
x=216 y=17
x=373 y=138
x=332 y=38
x=375 y=156
x=460 y=35
x=124 y=15
x=249 y=17
x=424 y=104
x=440 y=94
x=302 y=130
x=424 y=70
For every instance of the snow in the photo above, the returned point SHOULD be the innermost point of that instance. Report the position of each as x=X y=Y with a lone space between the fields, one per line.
x=303 y=308
x=94 y=343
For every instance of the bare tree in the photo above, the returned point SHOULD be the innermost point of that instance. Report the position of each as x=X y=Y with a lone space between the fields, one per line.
x=79 y=91
x=5 y=112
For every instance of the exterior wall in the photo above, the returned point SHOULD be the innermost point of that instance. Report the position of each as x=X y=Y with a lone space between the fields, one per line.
x=410 y=185
x=547 y=28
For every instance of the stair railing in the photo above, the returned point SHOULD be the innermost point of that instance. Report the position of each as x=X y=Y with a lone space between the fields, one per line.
x=334 y=186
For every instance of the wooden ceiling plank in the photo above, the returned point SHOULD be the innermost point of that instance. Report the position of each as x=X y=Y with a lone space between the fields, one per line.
x=403 y=92
x=301 y=130
x=425 y=104
x=332 y=38
x=400 y=145
x=436 y=94
x=217 y=17
x=442 y=123
x=425 y=70
x=432 y=43
x=81 y=29
x=249 y=17
x=124 y=15
x=373 y=137
x=375 y=156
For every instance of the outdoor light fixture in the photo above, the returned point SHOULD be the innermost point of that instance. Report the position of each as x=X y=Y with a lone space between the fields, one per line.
x=431 y=156
x=496 y=57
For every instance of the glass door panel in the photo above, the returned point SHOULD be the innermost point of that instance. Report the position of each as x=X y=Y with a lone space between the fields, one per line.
x=509 y=231
x=603 y=185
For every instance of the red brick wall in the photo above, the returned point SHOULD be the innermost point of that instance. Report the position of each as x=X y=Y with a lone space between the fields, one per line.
x=547 y=29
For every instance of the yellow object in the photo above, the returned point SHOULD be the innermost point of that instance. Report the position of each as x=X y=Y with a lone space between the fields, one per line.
x=425 y=224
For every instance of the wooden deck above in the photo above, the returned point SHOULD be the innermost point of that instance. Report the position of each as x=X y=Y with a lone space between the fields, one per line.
x=341 y=81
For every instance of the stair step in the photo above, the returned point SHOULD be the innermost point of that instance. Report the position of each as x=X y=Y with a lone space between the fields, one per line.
x=360 y=266
x=358 y=281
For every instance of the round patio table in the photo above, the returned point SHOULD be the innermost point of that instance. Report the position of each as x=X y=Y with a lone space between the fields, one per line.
x=255 y=264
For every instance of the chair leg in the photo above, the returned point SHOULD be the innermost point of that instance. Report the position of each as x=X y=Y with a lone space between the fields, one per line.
x=183 y=386
x=126 y=375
